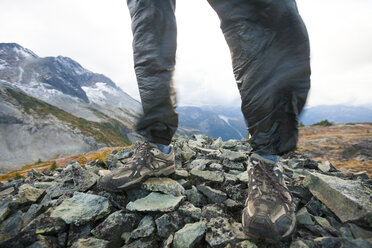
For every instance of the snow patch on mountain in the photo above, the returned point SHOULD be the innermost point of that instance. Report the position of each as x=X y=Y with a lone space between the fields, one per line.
x=227 y=120
x=98 y=92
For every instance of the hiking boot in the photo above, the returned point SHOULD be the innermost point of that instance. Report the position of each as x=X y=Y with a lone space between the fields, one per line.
x=269 y=212
x=146 y=161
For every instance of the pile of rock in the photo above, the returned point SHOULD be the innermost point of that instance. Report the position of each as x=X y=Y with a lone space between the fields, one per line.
x=198 y=206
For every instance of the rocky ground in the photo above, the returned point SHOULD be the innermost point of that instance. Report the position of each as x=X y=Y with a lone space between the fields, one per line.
x=198 y=206
x=347 y=146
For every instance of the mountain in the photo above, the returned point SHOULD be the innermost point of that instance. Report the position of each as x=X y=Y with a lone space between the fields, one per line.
x=62 y=82
x=336 y=113
x=214 y=121
x=52 y=107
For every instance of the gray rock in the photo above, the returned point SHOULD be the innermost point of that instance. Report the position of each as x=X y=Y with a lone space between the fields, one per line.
x=230 y=178
x=43 y=242
x=214 y=176
x=142 y=244
x=155 y=202
x=29 y=194
x=195 y=197
x=358 y=232
x=168 y=242
x=325 y=166
x=212 y=211
x=111 y=227
x=33 y=211
x=298 y=244
x=303 y=217
x=6 y=192
x=229 y=144
x=216 y=166
x=221 y=231
x=346 y=232
x=44 y=185
x=230 y=203
x=90 y=243
x=126 y=237
x=82 y=208
x=83 y=179
x=214 y=195
x=233 y=165
x=232 y=156
x=217 y=143
x=199 y=164
x=243 y=177
x=45 y=225
x=325 y=224
x=5 y=207
x=189 y=235
x=145 y=228
x=181 y=174
x=136 y=193
x=164 y=185
x=12 y=225
x=347 y=199
x=168 y=223
x=242 y=244
x=189 y=209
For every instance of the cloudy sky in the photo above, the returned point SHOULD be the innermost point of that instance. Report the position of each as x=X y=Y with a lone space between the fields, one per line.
x=97 y=34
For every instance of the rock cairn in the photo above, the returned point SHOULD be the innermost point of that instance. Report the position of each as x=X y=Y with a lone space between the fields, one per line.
x=198 y=206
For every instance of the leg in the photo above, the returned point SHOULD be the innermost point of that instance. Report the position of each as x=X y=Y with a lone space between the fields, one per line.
x=270 y=55
x=154 y=48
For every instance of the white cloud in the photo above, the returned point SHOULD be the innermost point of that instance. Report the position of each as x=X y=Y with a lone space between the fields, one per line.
x=97 y=34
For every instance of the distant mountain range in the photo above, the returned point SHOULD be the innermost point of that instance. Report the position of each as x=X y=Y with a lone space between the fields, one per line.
x=52 y=107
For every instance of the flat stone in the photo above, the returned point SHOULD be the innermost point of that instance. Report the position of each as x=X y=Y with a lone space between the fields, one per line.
x=5 y=207
x=242 y=244
x=199 y=164
x=90 y=243
x=181 y=173
x=145 y=228
x=164 y=185
x=217 y=143
x=168 y=242
x=233 y=156
x=213 y=195
x=189 y=209
x=243 y=177
x=347 y=199
x=12 y=225
x=83 y=179
x=325 y=224
x=155 y=202
x=168 y=223
x=27 y=193
x=229 y=144
x=216 y=166
x=358 y=232
x=43 y=185
x=221 y=231
x=111 y=227
x=45 y=225
x=33 y=211
x=142 y=244
x=303 y=217
x=195 y=197
x=230 y=178
x=214 y=176
x=234 y=165
x=212 y=211
x=189 y=235
x=6 y=192
x=298 y=244
x=82 y=208
x=230 y=203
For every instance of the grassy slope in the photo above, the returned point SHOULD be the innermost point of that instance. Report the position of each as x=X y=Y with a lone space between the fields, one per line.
x=110 y=132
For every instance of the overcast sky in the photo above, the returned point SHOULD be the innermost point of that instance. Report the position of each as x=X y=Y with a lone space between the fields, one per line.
x=96 y=33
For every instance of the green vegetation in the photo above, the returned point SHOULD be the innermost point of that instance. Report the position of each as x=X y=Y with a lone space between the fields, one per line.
x=110 y=132
x=53 y=166
x=350 y=123
x=18 y=176
x=324 y=123
x=301 y=124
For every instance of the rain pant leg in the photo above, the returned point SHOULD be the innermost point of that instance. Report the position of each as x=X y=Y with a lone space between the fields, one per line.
x=270 y=51
x=154 y=48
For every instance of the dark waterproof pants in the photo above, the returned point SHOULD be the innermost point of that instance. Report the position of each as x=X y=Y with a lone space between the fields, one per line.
x=270 y=55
